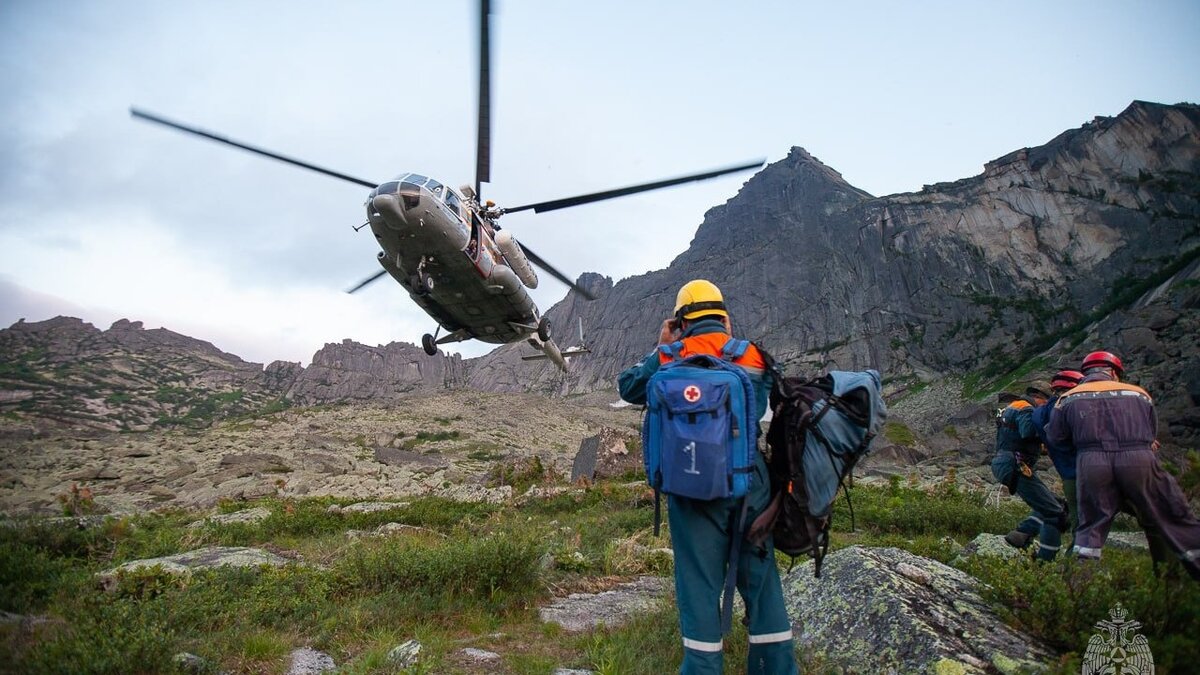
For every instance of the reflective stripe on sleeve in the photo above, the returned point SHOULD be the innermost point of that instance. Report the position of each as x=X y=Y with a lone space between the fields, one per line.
x=1086 y=552
x=767 y=638
x=699 y=646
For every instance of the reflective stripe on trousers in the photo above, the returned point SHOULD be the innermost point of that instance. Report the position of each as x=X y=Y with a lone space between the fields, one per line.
x=702 y=646
x=768 y=638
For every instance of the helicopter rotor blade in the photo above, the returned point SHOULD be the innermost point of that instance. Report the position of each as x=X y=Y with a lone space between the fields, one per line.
x=367 y=281
x=150 y=117
x=537 y=260
x=568 y=202
x=483 y=142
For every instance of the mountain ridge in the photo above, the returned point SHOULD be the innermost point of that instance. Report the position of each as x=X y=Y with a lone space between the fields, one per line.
x=1090 y=239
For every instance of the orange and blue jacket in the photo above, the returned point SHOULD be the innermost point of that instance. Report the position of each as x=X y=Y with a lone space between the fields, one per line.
x=703 y=337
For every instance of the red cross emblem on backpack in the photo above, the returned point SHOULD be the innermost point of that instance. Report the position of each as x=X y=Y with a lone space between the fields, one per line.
x=692 y=393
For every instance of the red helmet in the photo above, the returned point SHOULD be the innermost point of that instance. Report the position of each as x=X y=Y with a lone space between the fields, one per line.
x=1102 y=360
x=1066 y=379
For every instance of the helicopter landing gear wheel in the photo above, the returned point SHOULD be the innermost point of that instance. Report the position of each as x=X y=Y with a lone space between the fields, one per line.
x=429 y=345
x=543 y=330
x=422 y=283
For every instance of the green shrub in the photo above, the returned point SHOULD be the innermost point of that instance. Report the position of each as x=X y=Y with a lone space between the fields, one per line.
x=471 y=565
x=521 y=474
x=28 y=576
x=912 y=511
x=1062 y=601
x=104 y=636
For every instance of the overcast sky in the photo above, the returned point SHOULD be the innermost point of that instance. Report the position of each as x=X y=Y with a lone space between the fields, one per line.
x=103 y=217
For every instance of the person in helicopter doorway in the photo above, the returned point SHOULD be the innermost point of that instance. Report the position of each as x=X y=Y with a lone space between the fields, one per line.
x=702 y=530
x=1112 y=426
x=1017 y=450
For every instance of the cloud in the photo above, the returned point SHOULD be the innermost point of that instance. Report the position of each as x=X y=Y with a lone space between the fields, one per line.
x=147 y=270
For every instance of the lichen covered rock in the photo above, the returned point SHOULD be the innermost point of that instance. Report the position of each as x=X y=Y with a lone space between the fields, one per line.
x=884 y=609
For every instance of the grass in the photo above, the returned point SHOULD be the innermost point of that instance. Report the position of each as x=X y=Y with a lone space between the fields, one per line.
x=479 y=581
x=899 y=433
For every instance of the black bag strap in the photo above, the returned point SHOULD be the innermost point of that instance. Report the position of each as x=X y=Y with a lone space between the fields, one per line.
x=735 y=552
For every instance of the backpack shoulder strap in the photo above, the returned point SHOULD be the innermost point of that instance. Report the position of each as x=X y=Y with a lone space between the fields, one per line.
x=734 y=349
x=776 y=372
x=672 y=350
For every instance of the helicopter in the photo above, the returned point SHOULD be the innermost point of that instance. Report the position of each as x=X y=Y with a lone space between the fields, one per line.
x=445 y=246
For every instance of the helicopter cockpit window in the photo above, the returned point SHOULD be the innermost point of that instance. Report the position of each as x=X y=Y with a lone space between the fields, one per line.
x=388 y=188
x=415 y=179
x=453 y=201
x=410 y=194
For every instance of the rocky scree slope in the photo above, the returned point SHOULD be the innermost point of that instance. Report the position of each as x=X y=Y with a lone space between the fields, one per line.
x=459 y=445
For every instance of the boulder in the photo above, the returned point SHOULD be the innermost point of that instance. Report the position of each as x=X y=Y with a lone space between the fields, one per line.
x=395 y=457
x=477 y=494
x=366 y=507
x=405 y=655
x=244 y=517
x=1128 y=540
x=390 y=529
x=308 y=661
x=204 y=558
x=990 y=546
x=605 y=455
x=480 y=656
x=585 y=611
x=887 y=610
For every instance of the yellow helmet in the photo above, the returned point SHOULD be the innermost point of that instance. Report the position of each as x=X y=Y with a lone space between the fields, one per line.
x=699 y=298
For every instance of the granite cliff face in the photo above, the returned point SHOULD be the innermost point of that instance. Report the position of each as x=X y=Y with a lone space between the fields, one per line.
x=1048 y=247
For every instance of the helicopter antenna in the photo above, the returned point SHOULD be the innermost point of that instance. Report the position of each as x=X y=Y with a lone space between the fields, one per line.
x=483 y=144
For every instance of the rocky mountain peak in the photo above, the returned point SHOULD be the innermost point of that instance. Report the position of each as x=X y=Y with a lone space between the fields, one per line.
x=976 y=276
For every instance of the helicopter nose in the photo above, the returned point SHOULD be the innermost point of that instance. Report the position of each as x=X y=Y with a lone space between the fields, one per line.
x=391 y=208
x=393 y=200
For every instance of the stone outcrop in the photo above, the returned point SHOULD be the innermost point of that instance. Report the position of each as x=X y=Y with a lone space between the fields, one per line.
x=585 y=611
x=606 y=455
x=200 y=559
x=350 y=371
x=884 y=609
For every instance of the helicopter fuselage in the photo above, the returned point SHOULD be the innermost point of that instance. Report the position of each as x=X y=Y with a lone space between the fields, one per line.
x=441 y=248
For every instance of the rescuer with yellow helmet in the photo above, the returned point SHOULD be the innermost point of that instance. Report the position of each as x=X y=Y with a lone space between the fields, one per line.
x=702 y=531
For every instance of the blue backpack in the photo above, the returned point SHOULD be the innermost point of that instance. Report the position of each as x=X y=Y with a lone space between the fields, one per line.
x=700 y=431
x=699 y=437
